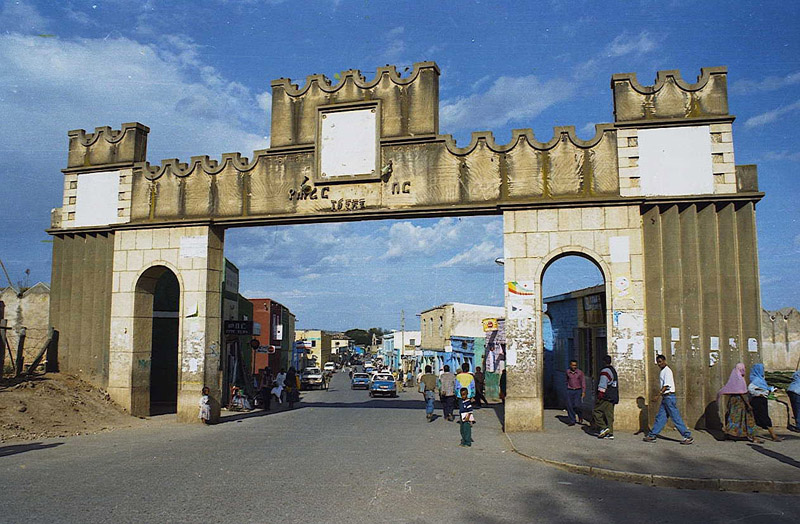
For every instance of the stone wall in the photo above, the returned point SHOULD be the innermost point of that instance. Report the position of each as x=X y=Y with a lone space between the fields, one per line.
x=612 y=238
x=780 y=339
x=31 y=310
x=194 y=254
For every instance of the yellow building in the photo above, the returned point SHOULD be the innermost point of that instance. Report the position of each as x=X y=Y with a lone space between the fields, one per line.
x=320 y=351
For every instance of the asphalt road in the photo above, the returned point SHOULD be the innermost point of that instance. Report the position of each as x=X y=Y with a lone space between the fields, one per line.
x=339 y=457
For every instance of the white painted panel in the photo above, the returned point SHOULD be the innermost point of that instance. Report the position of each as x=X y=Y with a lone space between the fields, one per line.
x=348 y=142
x=675 y=161
x=97 y=199
x=194 y=247
x=620 y=248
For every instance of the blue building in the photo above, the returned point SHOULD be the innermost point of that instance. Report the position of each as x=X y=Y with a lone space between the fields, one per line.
x=574 y=328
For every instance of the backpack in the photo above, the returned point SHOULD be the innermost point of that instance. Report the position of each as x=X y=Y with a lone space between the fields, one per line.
x=612 y=390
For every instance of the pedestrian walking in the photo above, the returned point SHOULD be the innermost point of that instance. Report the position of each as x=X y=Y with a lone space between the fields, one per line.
x=205 y=405
x=466 y=418
x=292 y=386
x=427 y=386
x=265 y=388
x=480 y=387
x=464 y=379
x=759 y=391
x=576 y=392
x=794 y=399
x=607 y=398
x=503 y=386
x=668 y=407
x=739 y=419
x=447 y=389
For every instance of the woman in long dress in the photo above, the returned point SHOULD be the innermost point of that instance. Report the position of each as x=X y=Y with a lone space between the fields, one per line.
x=759 y=391
x=739 y=419
x=794 y=398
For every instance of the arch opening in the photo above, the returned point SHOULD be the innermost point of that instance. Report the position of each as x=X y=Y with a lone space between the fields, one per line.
x=157 y=334
x=574 y=325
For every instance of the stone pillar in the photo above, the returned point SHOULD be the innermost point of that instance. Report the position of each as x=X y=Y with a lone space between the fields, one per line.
x=611 y=237
x=194 y=255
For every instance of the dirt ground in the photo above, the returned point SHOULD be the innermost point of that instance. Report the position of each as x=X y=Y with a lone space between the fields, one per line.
x=56 y=405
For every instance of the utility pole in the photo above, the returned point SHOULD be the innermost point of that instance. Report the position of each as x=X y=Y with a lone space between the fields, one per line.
x=402 y=340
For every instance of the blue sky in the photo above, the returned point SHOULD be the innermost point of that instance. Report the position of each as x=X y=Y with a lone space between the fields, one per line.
x=198 y=73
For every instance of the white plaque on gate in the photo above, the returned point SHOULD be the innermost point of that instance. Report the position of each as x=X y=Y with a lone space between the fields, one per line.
x=348 y=142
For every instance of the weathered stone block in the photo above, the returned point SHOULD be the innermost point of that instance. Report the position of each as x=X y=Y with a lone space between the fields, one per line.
x=559 y=239
x=514 y=245
x=135 y=260
x=524 y=414
x=616 y=217
x=509 y=221
x=538 y=244
x=583 y=239
x=547 y=220
x=569 y=219
x=526 y=221
x=592 y=218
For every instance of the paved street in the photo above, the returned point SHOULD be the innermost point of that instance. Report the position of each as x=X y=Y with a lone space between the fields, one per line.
x=340 y=457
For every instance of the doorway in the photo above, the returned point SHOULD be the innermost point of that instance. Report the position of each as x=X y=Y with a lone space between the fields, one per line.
x=158 y=287
x=574 y=319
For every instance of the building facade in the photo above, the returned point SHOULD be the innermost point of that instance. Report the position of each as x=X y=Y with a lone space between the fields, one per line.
x=277 y=324
x=320 y=347
x=448 y=333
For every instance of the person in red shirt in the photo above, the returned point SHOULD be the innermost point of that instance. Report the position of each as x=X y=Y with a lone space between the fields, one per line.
x=576 y=392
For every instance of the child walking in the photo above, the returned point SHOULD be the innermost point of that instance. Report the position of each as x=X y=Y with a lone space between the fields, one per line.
x=205 y=406
x=467 y=418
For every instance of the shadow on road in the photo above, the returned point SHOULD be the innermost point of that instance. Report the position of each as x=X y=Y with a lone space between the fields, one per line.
x=22 y=448
x=780 y=457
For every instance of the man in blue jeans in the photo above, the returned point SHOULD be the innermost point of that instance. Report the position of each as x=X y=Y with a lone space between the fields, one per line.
x=668 y=407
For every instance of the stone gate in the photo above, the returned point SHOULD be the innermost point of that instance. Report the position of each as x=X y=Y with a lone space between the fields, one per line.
x=654 y=199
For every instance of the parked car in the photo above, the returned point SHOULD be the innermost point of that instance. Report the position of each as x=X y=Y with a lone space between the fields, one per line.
x=312 y=378
x=359 y=381
x=330 y=366
x=382 y=384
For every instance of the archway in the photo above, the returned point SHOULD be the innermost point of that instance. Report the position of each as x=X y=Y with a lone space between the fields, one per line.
x=574 y=320
x=156 y=333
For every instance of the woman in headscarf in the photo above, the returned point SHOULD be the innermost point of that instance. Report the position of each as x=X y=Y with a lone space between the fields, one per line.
x=759 y=390
x=739 y=419
x=794 y=399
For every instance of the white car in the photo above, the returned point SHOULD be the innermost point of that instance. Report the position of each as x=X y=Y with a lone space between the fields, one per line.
x=330 y=366
x=312 y=378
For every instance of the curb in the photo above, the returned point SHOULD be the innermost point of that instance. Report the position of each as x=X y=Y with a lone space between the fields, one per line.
x=668 y=481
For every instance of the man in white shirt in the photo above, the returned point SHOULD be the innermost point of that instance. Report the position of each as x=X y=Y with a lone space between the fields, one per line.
x=669 y=407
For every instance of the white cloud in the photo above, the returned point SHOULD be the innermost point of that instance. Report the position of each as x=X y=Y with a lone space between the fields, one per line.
x=770 y=83
x=19 y=16
x=781 y=156
x=407 y=239
x=508 y=99
x=395 y=46
x=770 y=116
x=478 y=257
x=57 y=85
x=624 y=44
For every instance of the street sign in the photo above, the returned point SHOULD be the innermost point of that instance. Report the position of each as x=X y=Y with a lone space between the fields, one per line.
x=265 y=349
x=238 y=327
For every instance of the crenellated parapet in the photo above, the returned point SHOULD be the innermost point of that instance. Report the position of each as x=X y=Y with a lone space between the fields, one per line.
x=107 y=147
x=671 y=97
x=408 y=106
x=372 y=148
